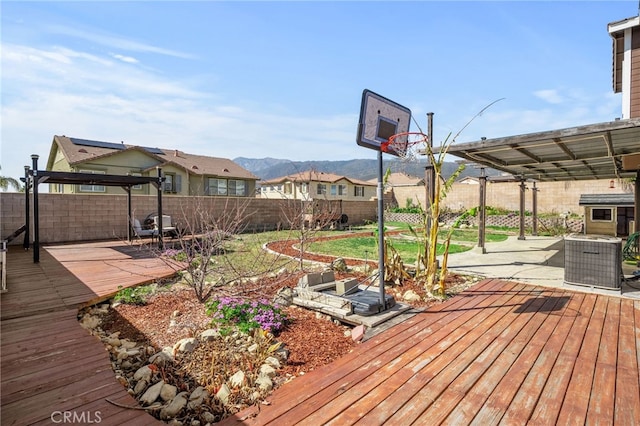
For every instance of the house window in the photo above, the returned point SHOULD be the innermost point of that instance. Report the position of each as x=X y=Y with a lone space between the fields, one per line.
x=358 y=191
x=304 y=188
x=322 y=189
x=168 y=185
x=237 y=188
x=338 y=189
x=287 y=188
x=217 y=186
x=138 y=187
x=92 y=188
x=603 y=214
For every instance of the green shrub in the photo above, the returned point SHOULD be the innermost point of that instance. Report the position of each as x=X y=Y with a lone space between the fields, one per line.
x=133 y=295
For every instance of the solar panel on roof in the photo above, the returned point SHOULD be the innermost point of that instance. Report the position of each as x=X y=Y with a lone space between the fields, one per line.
x=153 y=150
x=97 y=144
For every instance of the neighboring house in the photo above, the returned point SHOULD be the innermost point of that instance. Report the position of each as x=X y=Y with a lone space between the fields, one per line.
x=185 y=174
x=608 y=214
x=402 y=190
x=313 y=185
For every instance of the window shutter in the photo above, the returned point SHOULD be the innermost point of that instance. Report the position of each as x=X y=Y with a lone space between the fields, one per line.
x=178 y=183
x=206 y=186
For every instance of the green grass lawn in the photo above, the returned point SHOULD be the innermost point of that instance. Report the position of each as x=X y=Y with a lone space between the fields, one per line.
x=367 y=248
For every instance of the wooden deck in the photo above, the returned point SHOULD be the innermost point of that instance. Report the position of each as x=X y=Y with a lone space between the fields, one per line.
x=500 y=353
x=51 y=368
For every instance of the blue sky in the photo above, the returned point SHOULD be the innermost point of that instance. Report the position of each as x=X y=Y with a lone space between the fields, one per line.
x=285 y=79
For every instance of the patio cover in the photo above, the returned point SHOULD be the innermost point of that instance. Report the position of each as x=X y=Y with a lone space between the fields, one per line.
x=609 y=150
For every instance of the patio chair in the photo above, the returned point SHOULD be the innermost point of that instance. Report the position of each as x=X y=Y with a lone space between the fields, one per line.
x=140 y=232
x=167 y=229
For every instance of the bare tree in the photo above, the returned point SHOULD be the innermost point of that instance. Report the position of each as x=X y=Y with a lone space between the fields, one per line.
x=201 y=251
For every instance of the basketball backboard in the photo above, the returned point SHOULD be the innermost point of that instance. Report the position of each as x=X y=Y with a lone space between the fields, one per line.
x=381 y=118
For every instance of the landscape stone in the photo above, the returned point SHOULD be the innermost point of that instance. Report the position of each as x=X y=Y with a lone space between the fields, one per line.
x=198 y=397
x=152 y=393
x=411 y=296
x=264 y=382
x=143 y=373
x=185 y=345
x=209 y=335
x=140 y=387
x=223 y=393
x=168 y=392
x=267 y=370
x=174 y=407
x=237 y=379
x=272 y=361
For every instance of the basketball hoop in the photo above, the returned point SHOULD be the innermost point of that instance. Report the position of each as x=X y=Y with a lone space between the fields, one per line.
x=406 y=145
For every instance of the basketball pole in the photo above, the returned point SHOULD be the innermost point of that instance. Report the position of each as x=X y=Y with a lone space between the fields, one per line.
x=381 y=232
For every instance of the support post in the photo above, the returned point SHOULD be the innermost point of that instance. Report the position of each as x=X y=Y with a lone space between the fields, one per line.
x=534 y=199
x=482 y=218
x=430 y=174
x=27 y=210
x=381 y=247
x=160 y=235
x=523 y=187
x=129 y=215
x=36 y=219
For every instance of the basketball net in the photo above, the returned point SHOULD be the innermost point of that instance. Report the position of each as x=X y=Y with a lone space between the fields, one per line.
x=406 y=145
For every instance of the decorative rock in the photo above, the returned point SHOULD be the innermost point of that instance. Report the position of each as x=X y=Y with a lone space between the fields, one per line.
x=168 y=392
x=253 y=348
x=208 y=417
x=115 y=342
x=126 y=365
x=128 y=344
x=152 y=393
x=163 y=357
x=264 y=382
x=223 y=393
x=411 y=296
x=175 y=422
x=143 y=373
x=90 y=322
x=267 y=370
x=140 y=387
x=198 y=397
x=272 y=361
x=237 y=379
x=176 y=313
x=123 y=380
x=284 y=297
x=185 y=345
x=209 y=335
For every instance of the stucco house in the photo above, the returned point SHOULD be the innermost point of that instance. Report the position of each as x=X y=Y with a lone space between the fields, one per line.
x=185 y=174
x=314 y=185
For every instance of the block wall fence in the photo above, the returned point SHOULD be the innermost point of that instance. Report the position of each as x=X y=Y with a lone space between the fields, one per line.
x=553 y=197
x=90 y=217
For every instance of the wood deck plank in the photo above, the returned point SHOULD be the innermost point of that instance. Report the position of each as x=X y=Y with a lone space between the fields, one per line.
x=627 y=397
x=352 y=404
x=576 y=400
x=357 y=366
x=481 y=351
x=49 y=363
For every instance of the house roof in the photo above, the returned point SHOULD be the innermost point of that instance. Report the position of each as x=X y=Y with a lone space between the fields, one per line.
x=596 y=151
x=78 y=151
x=401 y=179
x=623 y=199
x=314 y=176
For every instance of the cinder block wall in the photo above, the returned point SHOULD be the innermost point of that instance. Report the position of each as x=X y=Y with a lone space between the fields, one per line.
x=87 y=217
x=553 y=197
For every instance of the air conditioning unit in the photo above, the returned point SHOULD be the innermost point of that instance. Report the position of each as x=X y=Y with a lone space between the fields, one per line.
x=593 y=261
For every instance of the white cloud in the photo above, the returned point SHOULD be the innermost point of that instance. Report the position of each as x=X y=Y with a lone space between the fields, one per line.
x=549 y=95
x=128 y=59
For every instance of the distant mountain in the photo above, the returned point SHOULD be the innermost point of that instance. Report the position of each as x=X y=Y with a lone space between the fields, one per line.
x=270 y=168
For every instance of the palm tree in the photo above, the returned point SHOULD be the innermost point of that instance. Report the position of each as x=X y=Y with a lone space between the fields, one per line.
x=6 y=182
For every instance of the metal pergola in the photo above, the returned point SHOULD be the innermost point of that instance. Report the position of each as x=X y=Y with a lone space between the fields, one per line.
x=34 y=177
x=609 y=150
